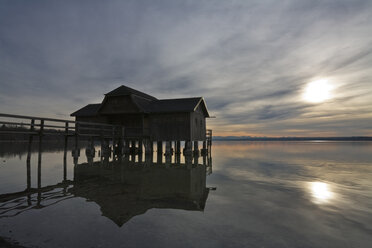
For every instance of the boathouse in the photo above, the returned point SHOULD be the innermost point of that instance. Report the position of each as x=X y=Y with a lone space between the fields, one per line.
x=147 y=117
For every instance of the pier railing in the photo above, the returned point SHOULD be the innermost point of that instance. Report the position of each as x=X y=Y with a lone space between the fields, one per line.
x=38 y=126
x=32 y=125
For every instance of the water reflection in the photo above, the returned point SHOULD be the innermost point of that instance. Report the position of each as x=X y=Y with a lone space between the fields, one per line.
x=124 y=187
x=269 y=194
x=321 y=192
x=124 y=190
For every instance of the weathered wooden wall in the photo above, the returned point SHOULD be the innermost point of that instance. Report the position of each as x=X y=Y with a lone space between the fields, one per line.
x=118 y=105
x=127 y=120
x=96 y=119
x=173 y=126
x=197 y=124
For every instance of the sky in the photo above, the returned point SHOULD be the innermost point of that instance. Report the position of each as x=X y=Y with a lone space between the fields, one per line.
x=254 y=62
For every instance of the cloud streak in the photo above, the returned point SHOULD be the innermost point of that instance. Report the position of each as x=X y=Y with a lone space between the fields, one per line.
x=249 y=59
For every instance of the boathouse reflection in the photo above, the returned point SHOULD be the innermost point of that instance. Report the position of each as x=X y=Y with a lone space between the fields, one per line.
x=124 y=187
x=124 y=190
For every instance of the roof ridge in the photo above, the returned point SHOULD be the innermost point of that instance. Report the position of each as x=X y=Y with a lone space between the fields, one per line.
x=125 y=90
x=183 y=98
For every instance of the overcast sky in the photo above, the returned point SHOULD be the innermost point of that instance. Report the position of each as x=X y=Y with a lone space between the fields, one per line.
x=250 y=60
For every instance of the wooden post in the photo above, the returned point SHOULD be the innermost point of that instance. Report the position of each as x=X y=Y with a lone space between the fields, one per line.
x=188 y=153
x=113 y=136
x=76 y=135
x=210 y=141
x=204 y=150
x=105 y=152
x=172 y=146
x=64 y=170
x=131 y=147
x=159 y=159
x=126 y=152
x=148 y=151
x=90 y=151
x=147 y=154
x=168 y=145
x=65 y=153
x=188 y=149
x=108 y=149
x=76 y=149
x=196 y=152
x=148 y=146
x=113 y=142
x=196 y=148
x=122 y=141
x=39 y=155
x=178 y=147
x=92 y=148
x=133 y=150
x=32 y=128
x=168 y=154
x=127 y=147
x=119 y=144
x=140 y=146
x=140 y=155
x=160 y=147
x=28 y=163
x=209 y=165
x=102 y=142
x=140 y=150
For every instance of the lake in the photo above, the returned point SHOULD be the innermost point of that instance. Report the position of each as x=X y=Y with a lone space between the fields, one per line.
x=248 y=194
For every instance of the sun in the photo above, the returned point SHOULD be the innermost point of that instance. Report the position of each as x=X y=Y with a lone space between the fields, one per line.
x=318 y=91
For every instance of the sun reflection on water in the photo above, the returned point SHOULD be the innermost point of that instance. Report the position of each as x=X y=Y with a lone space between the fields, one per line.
x=321 y=192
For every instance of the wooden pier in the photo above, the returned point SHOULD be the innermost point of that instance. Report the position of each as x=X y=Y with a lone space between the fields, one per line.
x=113 y=140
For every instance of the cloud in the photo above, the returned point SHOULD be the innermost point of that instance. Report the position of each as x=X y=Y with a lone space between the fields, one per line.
x=249 y=59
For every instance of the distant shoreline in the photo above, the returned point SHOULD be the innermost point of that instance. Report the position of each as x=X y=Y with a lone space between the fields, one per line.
x=232 y=138
x=356 y=138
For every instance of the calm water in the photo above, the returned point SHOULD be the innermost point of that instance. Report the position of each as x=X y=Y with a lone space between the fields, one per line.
x=259 y=194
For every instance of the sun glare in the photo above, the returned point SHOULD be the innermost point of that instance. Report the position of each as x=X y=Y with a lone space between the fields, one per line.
x=321 y=192
x=317 y=91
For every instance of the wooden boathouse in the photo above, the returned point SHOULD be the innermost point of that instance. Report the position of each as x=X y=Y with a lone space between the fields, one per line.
x=147 y=119
x=128 y=119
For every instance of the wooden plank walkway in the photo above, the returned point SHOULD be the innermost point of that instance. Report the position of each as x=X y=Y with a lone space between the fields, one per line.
x=42 y=126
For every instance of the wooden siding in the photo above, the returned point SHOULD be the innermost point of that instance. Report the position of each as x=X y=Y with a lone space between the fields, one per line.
x=96 y=119
x=198 y=124
x=127 y=120
x=172 y=126
x=118 y=105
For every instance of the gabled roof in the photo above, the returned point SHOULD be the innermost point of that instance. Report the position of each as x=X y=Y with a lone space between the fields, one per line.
x=147 y=103
x=177 y=105
x=124 y=91
x=89 y=110
x=158 y=106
